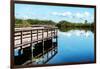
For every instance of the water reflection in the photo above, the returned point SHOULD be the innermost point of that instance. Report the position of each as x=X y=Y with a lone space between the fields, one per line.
x=45 y=57
x=77 y=28
x=39 y=53
x=74 y=45
x=75 y=33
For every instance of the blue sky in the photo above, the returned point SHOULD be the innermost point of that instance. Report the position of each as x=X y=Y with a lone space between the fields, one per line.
x=54 y=13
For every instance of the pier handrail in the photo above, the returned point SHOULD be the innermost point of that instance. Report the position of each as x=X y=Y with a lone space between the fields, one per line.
x=25 y=30
x=30 y=32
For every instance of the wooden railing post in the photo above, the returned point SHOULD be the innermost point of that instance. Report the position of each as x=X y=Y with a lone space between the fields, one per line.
x=54 y=32
x=31 y=46
x=37 y=34
x=31 y=37
x=51 y=32
x=21 y=37
x=47 y=33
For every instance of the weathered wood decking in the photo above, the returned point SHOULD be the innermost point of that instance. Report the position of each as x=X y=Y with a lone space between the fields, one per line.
x=23 y=37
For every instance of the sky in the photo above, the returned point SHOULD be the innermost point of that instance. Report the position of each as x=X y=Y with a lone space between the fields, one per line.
x=54 y=13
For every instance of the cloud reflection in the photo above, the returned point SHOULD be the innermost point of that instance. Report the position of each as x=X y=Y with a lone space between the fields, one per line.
x=78 y=33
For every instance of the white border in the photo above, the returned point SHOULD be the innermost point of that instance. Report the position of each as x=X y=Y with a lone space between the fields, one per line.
x=5 y=34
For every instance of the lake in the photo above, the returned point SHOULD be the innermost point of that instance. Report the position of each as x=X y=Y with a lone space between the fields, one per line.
x=74 y=46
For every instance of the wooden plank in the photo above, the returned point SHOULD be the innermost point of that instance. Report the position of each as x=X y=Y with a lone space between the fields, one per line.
x=41 y=35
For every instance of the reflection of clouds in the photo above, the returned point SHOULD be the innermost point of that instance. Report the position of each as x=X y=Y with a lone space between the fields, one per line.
x=83 y=33
x=79 y=33
x=87 y=34
x=68 y=34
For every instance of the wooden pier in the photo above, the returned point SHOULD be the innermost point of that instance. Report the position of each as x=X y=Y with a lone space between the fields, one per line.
x=33 y=44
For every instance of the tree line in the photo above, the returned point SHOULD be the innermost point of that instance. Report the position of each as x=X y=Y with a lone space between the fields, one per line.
x=60 y=24
x=30 y=22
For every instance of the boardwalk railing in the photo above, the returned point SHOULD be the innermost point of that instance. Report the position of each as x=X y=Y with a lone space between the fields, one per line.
x=28 y=36
x=40 y=39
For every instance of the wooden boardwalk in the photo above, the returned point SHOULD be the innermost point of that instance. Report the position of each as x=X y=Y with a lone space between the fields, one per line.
x=24 y=37
x=41 y=39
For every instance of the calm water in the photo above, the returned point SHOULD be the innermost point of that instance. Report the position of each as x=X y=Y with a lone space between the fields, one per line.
x=74 y=46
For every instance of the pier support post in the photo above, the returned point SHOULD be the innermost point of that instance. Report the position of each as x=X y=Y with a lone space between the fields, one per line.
x=19 y=52
x=43 y=45
x=27 y=53
x=31 y=47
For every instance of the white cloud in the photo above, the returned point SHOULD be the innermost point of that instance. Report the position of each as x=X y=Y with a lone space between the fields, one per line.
x=62 y=13
x=83 y=15
x=92 y=17
x=55 y=13
x=66 y=13
x=79 y=15
x=25 y=17
x=86 y=13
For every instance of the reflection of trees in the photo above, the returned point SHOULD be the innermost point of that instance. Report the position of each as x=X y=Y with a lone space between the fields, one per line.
x=77 y=28
x=66 y=26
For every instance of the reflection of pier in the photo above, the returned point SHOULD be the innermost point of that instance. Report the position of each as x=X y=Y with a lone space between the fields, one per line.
x=34 y=45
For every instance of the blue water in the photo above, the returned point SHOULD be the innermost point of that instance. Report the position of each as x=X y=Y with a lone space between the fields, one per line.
x=74 y=46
